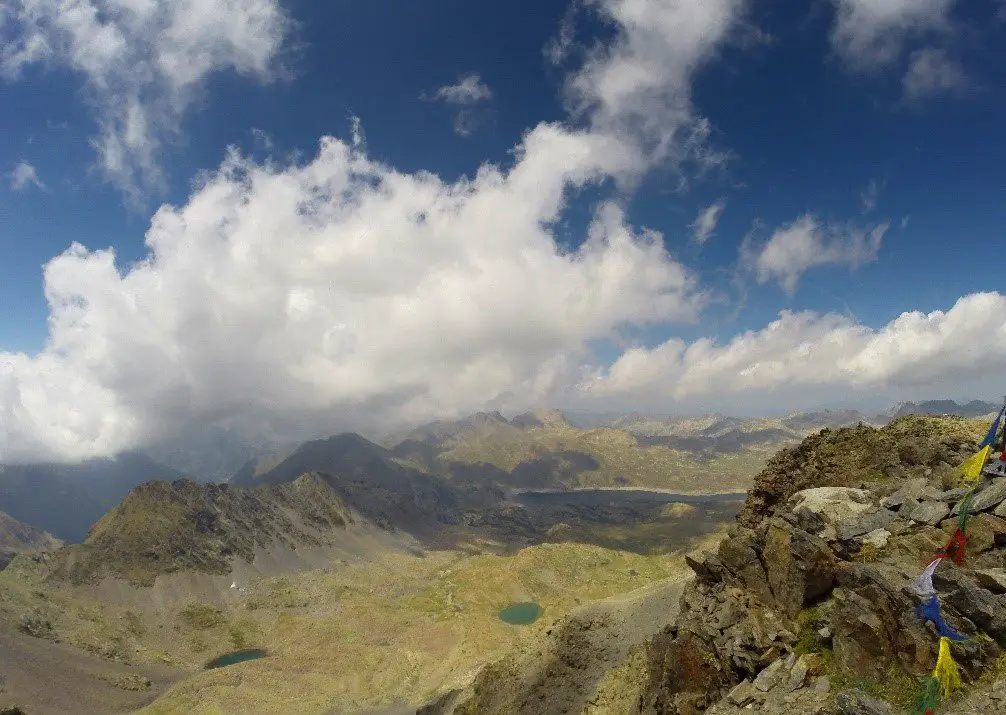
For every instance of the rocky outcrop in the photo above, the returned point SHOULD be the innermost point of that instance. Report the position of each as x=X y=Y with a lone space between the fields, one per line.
x=814 y=587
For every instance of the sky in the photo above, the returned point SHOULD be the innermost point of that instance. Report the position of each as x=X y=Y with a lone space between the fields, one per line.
x=285 y=217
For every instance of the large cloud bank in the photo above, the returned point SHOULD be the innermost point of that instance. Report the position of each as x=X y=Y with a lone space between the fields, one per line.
x=290 y=294
x=340 y=291
x=801 y=349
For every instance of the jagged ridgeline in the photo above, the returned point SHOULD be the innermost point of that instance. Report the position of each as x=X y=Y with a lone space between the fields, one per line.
x=811 y=606
x=161 y=528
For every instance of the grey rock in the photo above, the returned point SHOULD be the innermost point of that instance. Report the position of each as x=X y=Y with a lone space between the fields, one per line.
x=821 y=684
x=913 y=489
x=877 y=538
x=770 y=677
x=952 y=496
x=742 y=694
x=1001 y=510
x=707 y=567
x=930 y=513
x=992 y=495
x=993 y=580
x=865 y=524
x=797 y=675
x=856 y=702
x=832 y=504
x=982 y=608
x=908 y=507
x=898 y=527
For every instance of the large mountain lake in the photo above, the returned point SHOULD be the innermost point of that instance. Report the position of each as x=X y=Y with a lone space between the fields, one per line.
x=628 y=519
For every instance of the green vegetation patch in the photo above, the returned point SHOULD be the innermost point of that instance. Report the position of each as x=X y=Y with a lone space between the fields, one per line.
x=202 y=616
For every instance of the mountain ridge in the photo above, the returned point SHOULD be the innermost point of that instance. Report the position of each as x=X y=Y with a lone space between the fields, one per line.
x=17 y=537
x=161 y=528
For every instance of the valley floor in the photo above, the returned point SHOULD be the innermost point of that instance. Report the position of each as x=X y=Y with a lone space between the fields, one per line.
x=405 y=629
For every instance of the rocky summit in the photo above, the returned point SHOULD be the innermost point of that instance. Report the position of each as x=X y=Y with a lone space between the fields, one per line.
x=162 y=528
x=808 y=607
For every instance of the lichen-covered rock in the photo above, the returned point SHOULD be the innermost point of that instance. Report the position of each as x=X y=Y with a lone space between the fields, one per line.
x=856 y=702
x=930 y=512
x=800 y=567
x=829 y=544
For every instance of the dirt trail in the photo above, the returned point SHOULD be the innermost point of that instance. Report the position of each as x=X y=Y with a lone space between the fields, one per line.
x=48 y=678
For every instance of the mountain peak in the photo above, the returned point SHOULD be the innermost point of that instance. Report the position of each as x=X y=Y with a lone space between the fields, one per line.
x=160 y=528
x=16 y=537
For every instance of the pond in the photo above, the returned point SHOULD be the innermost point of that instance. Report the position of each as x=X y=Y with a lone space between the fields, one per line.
x=238 y=656
x=521 y=614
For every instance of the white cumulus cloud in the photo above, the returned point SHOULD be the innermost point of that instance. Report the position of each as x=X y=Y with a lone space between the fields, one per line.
x=337 y=287
x=143 y=63
x=705 y=223
x=24 y=175
x=870 y=34
x=299 y=296
x=469 y=89
x=808 y=349
x=638 y=88
x=807 y=243
x=932 y=71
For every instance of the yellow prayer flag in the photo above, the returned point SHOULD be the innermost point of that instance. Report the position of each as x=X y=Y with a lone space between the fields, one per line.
x=946 y=670
x=971 y=469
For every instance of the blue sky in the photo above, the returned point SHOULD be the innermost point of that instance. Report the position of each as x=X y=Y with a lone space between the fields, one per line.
x=846 y=117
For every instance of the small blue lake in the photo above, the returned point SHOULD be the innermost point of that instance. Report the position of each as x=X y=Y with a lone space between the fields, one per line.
x=238 y=656
x=521 y=614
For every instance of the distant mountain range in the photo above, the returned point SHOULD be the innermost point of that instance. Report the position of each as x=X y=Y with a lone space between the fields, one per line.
x=435 y=471
x=974 y=408
x=16 y=538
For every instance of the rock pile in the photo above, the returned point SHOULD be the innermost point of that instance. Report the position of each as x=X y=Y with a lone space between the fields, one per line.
x=811 y=608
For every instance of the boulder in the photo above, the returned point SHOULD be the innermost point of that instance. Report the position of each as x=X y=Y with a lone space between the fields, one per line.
x=856 y=702
x=874 y=625
x=993 y=580
x=798 y=673
x=772 y=676
x=832 y=503
x=800 y=567
x=739 y=556
x=984 y=609
x=952 y=496
x=991 y=496
x=861 y=642
x=864 y=524
x=981 y=533
x=930 y=513
x=742 y=694
x=912 y=490
x=877 y=538
x=706 y=566
x=997 y=525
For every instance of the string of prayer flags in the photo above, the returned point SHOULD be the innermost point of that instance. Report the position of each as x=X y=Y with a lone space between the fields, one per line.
x=930 y=700
x=971 y=470
x=990 y=438
x=946 y=677
x=955 y=548
x=929 y=610
x=946 y=670
x=924 y=583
